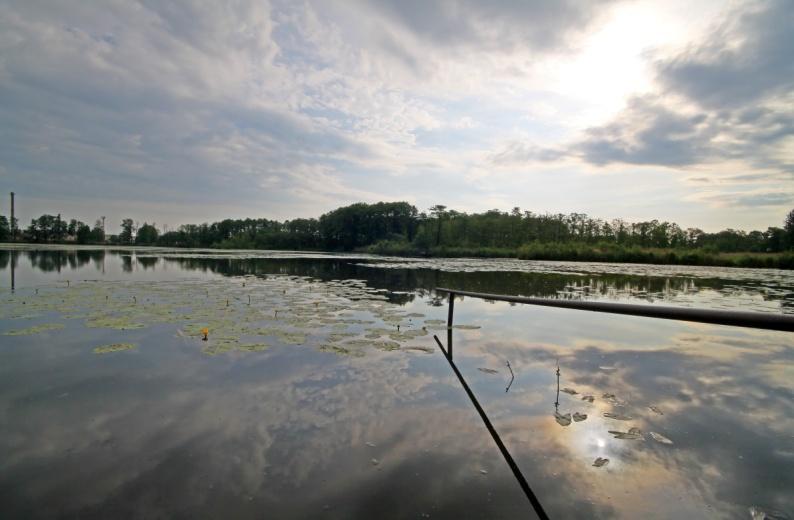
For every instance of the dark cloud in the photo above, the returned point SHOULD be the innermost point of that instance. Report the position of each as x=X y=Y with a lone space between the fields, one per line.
x=747 y=60
x=737 y=87
x=729 y=98
x=648 y=133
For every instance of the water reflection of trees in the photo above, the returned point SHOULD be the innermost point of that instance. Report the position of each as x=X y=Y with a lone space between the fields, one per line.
x=420 y=282
x=148 y=262
x=49 y=261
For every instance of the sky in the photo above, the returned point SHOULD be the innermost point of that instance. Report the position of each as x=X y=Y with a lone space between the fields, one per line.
x=195 y=111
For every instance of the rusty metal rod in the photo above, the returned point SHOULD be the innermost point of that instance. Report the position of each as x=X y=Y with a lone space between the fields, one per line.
x=533 y=500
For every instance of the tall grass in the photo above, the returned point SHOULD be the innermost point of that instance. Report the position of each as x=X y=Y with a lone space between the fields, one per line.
x=603 y=252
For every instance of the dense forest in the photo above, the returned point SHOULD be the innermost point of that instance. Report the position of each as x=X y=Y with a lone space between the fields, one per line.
x=399 y=228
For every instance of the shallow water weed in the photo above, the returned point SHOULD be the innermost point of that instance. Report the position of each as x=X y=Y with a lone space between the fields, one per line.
x=109 y=322
x=38 y=329
x=115 y=347
x=658 y=437
x=254 y=347
x=293 y=310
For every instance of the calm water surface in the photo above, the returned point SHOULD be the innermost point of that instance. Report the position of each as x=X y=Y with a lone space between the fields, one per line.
x=320 y=392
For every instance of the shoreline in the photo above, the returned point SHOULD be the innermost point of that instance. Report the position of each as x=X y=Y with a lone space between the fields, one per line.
x=538 y=252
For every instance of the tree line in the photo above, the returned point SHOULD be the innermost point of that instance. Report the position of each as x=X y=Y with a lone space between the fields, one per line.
x=400 y=227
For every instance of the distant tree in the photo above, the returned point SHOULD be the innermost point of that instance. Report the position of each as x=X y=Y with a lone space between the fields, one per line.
x=439 y=211
x=147 y=235
x=775 y=239
x=97 y=234
x=71 y=229
x=83 y=233
x=788 y=225
x=127 y=231
x=59 y=229
x=5 y=228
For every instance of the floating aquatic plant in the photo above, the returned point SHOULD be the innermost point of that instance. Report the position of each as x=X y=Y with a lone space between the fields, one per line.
x=562 y=419
x=488 y=370
x=426 y=350
x=569 y=391
x=115 y=347
x=617 y=416
x=600 y=462
x=253 y=347
x=658 y=437
x=110 y=322
x=236 y=313
x=37 y=329
x=579 y=417
x=435 y=322
x=634 y=434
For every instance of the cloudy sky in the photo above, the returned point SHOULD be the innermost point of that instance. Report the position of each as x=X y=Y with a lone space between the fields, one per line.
x=195 y=111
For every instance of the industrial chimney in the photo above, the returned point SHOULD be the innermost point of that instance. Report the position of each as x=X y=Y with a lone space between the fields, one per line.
x=13 y=222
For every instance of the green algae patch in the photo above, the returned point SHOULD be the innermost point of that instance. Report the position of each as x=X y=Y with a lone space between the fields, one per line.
x=115 y=347
x=248 y=314
x=38 y=329
x=254 y=347
x=435 y=322
x=292 y=338
x=113 y=323
x=386 y=345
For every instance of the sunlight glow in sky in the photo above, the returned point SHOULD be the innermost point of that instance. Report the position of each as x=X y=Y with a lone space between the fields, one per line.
x=191 y=112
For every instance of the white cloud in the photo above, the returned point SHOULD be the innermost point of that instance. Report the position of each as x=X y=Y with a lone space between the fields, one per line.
x=289 y=109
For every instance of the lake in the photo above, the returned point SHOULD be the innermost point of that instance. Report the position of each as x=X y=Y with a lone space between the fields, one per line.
x=319 y=391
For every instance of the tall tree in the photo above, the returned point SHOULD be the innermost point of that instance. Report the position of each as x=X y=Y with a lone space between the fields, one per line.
x=147 y=235
x=5 y=228
x=127 y=231
x=438 y=211
x=788 y=225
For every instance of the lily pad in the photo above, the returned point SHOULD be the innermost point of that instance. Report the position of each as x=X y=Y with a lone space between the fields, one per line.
x=579 y=417
x=115 y=347
x=617 y=416
x=600 y=462
x=569 y=391
x=634 y=434
x=562 y=419
x=588 y=398
x=488 y=370
x=38 y=329
x=435 y=322
x=427 y=350
x=254 y=347
x=386 y=345
x=113 y=323
x=655 y=410
x=658 y=437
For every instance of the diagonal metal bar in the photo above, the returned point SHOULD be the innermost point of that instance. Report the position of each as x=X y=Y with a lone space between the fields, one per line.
x=498 y=440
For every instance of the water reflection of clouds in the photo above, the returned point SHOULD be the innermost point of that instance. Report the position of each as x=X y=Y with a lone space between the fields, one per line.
x=170 y=432
x=299 y=432
x=727 y=404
